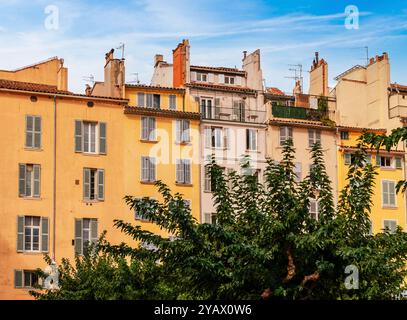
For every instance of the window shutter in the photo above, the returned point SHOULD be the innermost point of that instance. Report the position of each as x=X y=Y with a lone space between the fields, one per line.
x=238 y=81
x=18 y=278
x=102 y=138
x=226 y=138
x=221 y=78
x=208 y=135
x=152 y=169
x=178 y=135
x=78 y=236
x=140 y=99
x=378 y=160
x=185 y=131
x=144 y=128
x=101 y=184
x=86 y=183
x=392 y=193
x=210 y=77
x=44 y=234
x=311 y=140
x=37 y=132
x=149 y=100
x=217 y=108
x=193 y=76
x=179 y=171
x=282 y=135
x=247 y=139
x=187 y=171
x=385 y=193
x=78 y=136
x=37 y=177
x=29 y=131
x=151 y=128
x=20 y=233
x=290 y=133
x=144 y=168
x=208 y=218
x=398 y=163
x=318 y=136
x=21 y=180
x=94 y=231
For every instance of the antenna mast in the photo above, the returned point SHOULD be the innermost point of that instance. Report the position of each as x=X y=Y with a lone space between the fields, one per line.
x=121 y=47
x=297 y=69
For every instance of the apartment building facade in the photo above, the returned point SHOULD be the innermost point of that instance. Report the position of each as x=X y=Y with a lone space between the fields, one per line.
x=233 y=118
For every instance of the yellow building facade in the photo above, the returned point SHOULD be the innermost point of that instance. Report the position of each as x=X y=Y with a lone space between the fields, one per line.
x=388 y=209
x=69 y=159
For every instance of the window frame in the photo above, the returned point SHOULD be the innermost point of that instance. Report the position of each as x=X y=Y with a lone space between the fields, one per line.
x=388 y=205
x=288 y=134
x=33 y=132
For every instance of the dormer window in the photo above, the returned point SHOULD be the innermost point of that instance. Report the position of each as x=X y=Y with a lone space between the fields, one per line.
x=203 y=77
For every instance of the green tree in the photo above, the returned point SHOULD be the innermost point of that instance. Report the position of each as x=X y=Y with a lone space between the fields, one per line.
x=264 y=244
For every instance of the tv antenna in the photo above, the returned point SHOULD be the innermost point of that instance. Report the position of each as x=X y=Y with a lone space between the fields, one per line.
x=121 y=47
x=136 y=79
x=90 y=79
x=297 y=70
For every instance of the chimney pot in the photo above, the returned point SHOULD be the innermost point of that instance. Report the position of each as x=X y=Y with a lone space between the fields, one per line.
x=244 y=54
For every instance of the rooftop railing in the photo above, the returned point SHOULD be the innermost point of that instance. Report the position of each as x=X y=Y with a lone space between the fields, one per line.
x=236 y=114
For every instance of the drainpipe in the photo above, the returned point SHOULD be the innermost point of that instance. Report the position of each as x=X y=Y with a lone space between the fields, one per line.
x=336 y=165
x=54 y=181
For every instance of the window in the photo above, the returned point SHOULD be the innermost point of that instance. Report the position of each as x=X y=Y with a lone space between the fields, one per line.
x=207 y=180
x=286 y=133
x=29 y=180
x=148 y=128
x=141 y=99
x=314 y=209
x=147 y=169
x=138 y=215
x=90 y=137
x=33 y=132
x=156 y=101
x=344 y=135
x=148 y=100
x=93 y=184
x=203 y=77
x=251 y=139
x=182 y=132
x=314 y=136
x=25 y=279
x=210 y=218
x=206 y=108
x=216 y=137
x=229 y=80
x=183 y=171
x=388 y=193
x=32 y=234
x=239 y=112
x=398 y=162
x=383 y=162
x=390 y=225
x=173 y=101
x=86 y=233
x=298 y=171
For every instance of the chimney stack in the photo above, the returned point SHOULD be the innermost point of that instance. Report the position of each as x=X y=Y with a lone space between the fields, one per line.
x=157 y=59
x=244 y=54
x=180 y=60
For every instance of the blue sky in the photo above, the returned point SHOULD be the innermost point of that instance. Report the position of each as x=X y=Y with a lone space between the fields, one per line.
x=286 y=32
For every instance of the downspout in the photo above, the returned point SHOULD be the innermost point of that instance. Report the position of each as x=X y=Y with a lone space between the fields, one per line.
x=336 y=166
x=54 y=181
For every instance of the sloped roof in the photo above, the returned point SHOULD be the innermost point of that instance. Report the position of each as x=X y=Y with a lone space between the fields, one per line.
x=218 y=87
x=218 y=70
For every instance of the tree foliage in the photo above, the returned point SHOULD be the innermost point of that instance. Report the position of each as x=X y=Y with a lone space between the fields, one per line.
x=264 y=244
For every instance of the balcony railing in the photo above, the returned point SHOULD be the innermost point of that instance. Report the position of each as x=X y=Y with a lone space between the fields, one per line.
x=233 y=114
x=279 y=111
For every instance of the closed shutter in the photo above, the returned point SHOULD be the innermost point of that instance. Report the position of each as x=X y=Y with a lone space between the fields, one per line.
x=207 y=180
x=179 y=171
x=86 y=183
x=44 y=234
x=78 y=136
x=151 y=129
x=178 y=135
x=101 y=184
x=187 y=171
x=21 y=180
x=311 y=138
x=140 y=99
x=398 y=163
x=102 y=138
x=210 y=77
x=193 y=76
x=37 y=132
x=298 y=171
x=208 y=135
x=238 y=81
x=283 y=136
x=149 y=100
x=20 y=233
x=221 y=78
x=29 y=131
x=18 y=278
x=152 y=169
x=78 y=236
x=185 y=131
x=94 y=231
x=392 y=193
x=37 y=177
x=144 y=128
x=318 y=136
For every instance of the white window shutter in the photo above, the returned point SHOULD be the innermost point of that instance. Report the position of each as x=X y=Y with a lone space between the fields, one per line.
x=238 y=81
x=178 y=134
x=44 y=234
x=208 y=137
x=226 y=138
x=221 y=78
x=211 y=77
x=187 y=171
x=186 y=131
x=193 y=76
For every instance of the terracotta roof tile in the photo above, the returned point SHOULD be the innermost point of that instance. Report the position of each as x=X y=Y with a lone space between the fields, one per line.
x=396 y=86
x=153 y=87
x=276 y=91
x=219 y=69
x=218 y=87
x=162 y=112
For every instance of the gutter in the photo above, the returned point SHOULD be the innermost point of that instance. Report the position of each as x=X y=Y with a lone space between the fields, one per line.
x=54 y=182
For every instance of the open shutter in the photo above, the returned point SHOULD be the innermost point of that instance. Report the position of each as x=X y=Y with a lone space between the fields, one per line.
x=226 y=138
x=102 y=138
x=187 y=171
x=179 y=171
x=152 y=169
x=151 y=124
x=247 y=139
x=140 y=99
x=144 y=128
x=18 y=278
x=178 y=133
x=211 y=78
x=101 y=184
x=21 y=180
x=86 y=183
x=37 y=177
x=94 y=231
x=78 y=136
x=29 y=131
x=44 y=234
x=217 y=108
x=37 y=132
x=378 y=160
x=238 y=81
x=20 y=233
x=208 y=134
x=398 y=163
x=348 y=158
x=78 y=236
x=193 y=76
x=221 y=78
x=185 y=131
x=144 y=168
